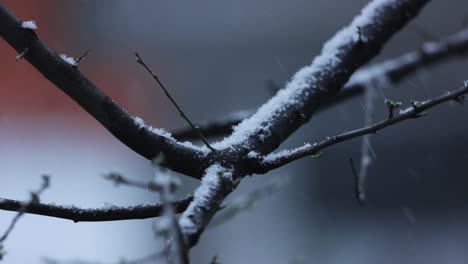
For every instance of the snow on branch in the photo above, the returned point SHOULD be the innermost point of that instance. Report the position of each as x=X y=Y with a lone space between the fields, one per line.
x=390 y=71
x=416 y=110
x=308 y=84
x=31 y=24
x=163 y=133
x=207 y=198
x=78 y=214
x=178 y=157
x=293 y=105
x=69 y=60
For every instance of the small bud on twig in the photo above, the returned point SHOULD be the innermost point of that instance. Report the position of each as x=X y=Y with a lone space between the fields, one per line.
x=391 y=105
x=416 y=105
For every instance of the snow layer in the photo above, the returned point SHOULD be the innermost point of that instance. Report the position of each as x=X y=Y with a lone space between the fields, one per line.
x=163 y=133
x=29 y=24
x=304 y=78
x=284 y=153
x=204 y=197
x=69 y=60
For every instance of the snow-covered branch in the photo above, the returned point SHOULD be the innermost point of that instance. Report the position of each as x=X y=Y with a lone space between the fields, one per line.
x=293 y=106
x=392 y=70
x=320 y=81
x=62 y=71
x=417 y=109
x=217 y=183
x=78 y=214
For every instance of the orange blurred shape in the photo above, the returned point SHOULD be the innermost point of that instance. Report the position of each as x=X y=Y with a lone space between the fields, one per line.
x=23 y=90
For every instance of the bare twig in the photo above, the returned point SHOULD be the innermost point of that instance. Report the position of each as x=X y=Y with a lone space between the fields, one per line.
x=22 y=54
x=416 y=110
x=82 y=56
x=358 y=187
x=177 y=249
x=168 y=95
x=25 y=205
x=118 y=179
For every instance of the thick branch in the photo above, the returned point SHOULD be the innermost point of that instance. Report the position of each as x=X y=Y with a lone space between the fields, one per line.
x=294 y=105
x=318 y=83
x=276 y=160
x=77 y=214
x=393 y=70
x=115 y=119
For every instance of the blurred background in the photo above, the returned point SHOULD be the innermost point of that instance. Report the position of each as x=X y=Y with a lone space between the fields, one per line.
x=216 y=57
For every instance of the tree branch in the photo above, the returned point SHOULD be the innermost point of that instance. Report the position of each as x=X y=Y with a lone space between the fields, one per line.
x=293 y=106
x=77 y=214
x=394 y=70
x=276 y=160
x=68 y=78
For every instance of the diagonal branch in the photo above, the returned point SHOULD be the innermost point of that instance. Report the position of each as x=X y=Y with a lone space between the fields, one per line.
x=77 y=214
x=294 y=105
x=120 y=123
x=393 y=70
x=276 y=160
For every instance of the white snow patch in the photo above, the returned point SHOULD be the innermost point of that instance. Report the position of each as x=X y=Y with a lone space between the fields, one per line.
x=139 y=122
x=284 y=153
x=304 y=78
x=31 y=24
x=406 y=110
x=252 y=154
x=203 y=196
x=163 y=133
x=69 y=60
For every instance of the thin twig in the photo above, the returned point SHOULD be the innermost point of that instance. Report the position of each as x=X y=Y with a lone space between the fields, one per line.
x=119 y=179
x=24 y=206
x=177 y=249
x=82 y=56
x=181 y=113
x=22 y=54
x=416 y=110
x=358 y=188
